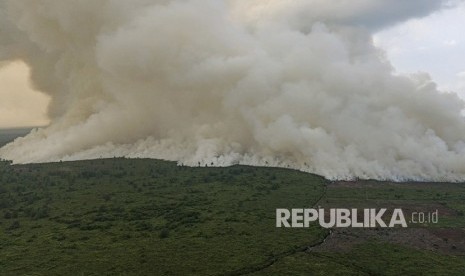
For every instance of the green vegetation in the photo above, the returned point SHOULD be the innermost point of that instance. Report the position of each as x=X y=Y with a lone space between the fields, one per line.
x=151 y=217
x=147 y=216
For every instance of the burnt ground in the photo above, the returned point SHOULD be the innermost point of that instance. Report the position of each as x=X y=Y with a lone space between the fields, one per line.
x=447 y=236
x=442 y=240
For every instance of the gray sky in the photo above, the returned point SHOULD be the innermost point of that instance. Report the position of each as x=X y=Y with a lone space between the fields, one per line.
x=434 y=44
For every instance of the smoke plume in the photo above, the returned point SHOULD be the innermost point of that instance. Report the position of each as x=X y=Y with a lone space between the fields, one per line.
x=264 y=82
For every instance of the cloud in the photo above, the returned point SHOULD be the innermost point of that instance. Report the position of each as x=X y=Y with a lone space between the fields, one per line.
x=450 y=43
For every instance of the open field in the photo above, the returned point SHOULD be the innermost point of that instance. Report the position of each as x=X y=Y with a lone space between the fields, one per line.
x=146 y=217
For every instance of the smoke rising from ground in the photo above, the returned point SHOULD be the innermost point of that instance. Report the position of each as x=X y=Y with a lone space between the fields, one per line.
x=270 y=82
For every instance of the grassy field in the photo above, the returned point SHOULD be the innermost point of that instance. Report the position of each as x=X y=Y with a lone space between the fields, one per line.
x=150 y=217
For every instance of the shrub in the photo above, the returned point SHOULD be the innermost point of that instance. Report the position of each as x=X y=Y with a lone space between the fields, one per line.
x=164 y=233
x=14 y=225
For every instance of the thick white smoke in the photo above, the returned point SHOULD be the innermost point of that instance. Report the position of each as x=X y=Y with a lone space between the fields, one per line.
x=278 y=82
